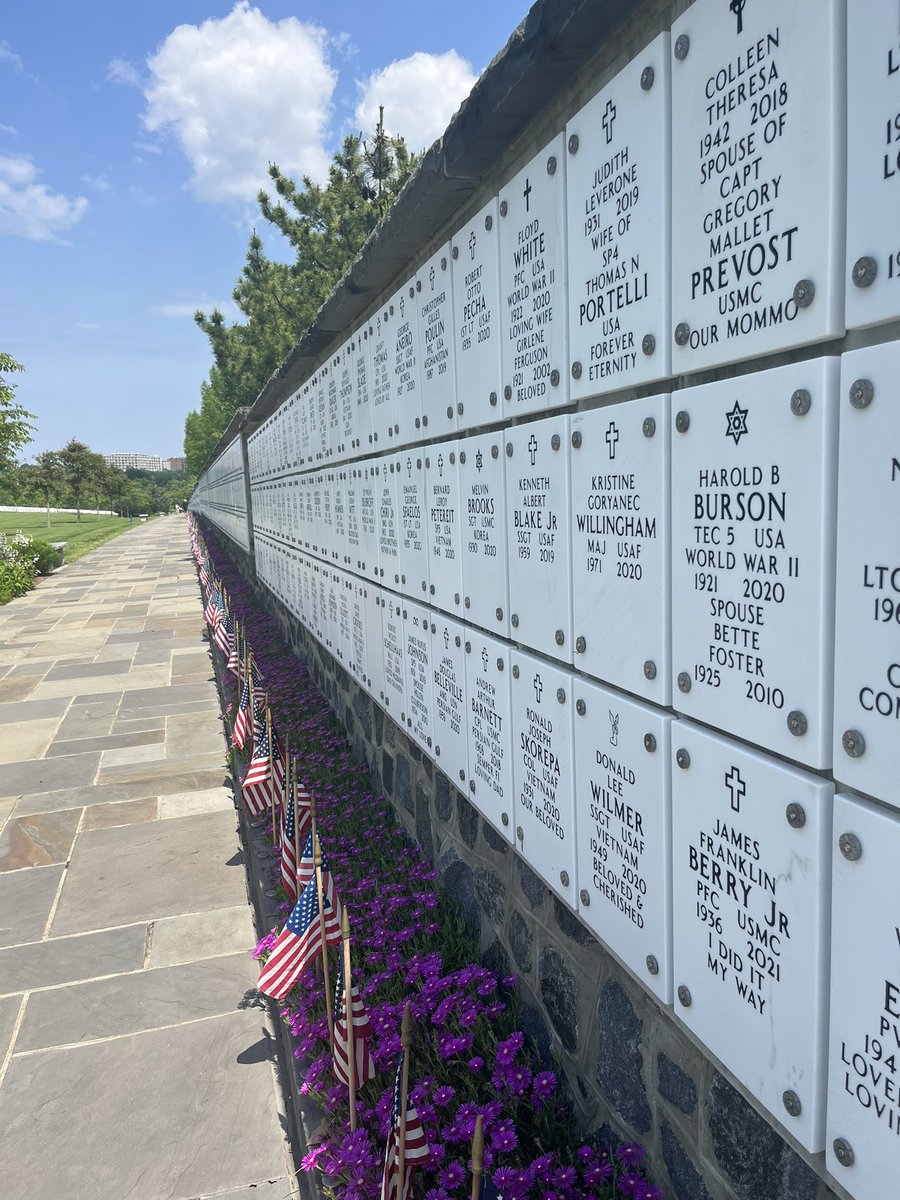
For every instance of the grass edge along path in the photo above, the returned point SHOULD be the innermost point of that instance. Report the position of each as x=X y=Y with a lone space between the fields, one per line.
x=412 y=947
x=80 y=537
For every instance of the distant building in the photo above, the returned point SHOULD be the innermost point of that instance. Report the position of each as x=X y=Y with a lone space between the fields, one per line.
x=142 y=462
x=174 y=464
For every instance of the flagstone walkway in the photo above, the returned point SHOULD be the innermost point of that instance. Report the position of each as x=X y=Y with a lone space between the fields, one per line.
x=135 y=1061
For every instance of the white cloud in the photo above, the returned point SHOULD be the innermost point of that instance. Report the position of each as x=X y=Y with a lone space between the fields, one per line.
x=420 y=94
x=6 y=55
x=179 y=310
x=10 y=129
x=148 y=147
x=29 y=209
x=99 y=183
x=240 y=92
x=120 y=70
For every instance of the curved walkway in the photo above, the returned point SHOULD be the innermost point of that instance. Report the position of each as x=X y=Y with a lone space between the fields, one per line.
x=134 y=1059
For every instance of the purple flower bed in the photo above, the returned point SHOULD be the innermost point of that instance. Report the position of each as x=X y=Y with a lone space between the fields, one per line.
x=410 y=946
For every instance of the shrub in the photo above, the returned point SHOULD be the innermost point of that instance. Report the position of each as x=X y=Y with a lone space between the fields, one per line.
x=47 y=556
x=18 y=566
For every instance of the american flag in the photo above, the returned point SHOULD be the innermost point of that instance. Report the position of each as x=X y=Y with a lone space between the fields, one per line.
x=242 y=720
x=234 y=658
x=415 y=1146
x=223 y=632
x=362 y=1035
x=288 y=834
x=213 y=610
x=298 y=944
x=256 y=786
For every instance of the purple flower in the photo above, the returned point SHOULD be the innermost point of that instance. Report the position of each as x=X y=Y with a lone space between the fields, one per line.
x=629 y=1182
x=504 y=1138
x=452 y=1175
x=443 y=1095
x=508 y=1050
x=630 y=1154
x=597 y=1174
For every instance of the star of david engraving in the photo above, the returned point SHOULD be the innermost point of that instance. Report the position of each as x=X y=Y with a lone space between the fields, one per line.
x=736 y=422
x=446 y=638
x=612 y=438
x=737 y=7
x=736 y=786
x=479 y=461
x=614 y=728
x=538 y=688
x=472 y=244
x=533 y=448
x=609 y=117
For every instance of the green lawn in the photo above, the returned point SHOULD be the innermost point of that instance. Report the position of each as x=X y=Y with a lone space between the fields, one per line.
x=80 y=537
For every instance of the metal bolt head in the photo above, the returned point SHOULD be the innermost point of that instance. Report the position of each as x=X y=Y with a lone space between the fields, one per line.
x=580 y=707
x=801 y=402
x=684 y=682
x=850 y=846
x=468 y=647
x=499 y=664
x=551 y=165
x=576 y=370
x=684 y=995
x=682 y=421
x=495 y=451
x=509 y=450
x=796 y=815
x=561 y=695
x=554 y=378
x=585 y=897
x=862 y=393
x=649 y=743
x=652 y=964
x=576 y=439
x=648 y=344
x=514 y=620
x=647 y=77
x=488 y=221
x=559 y=637
x=555 y=442
x=649 y=669
x=683 y=759
x=648 y=428
x=864 y=271
x=515 y=671
x=804 y=293
x=564 y=878
x=854 y=743
x=520 y=833
x=455 y=251
x=580 y=645
x=573 y=143
x=449 y=412
x=843 y=1152
x=797 y=723
x=493 y=399
x=682 y=333
x=504 y=208
x=791 y=1102
x=472 y=785
x=504 y=819
x=456 y=597
x=499 y=614
x=467 y=602
x=507 y=393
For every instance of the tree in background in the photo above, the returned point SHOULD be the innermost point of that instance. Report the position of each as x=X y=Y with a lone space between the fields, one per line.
x=48 y=472
x=15 y=421
x=325 y=227
x=80 y=467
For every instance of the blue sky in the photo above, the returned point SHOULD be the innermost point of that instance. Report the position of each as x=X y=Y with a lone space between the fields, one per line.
x=133 y=138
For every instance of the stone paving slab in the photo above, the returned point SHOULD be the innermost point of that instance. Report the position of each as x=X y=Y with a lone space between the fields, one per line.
x=126 y=812
x=198 y=800
x=36 y=841
x=9 y=1014
x=202 y=935
x=86 y=670
x=183 y=868
x=136 y=1003
x=27 y=739
x=185 y=1121
x=26 y=898
x=31 y=710
x=48 y=775
x=104 y=793
x=69 y=959
x=113 y=741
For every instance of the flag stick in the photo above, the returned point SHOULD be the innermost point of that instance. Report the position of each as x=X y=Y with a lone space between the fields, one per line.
x=406 y=1029
x=313 y=828
x=284 y=798
x=293 y=779
x=477 y=1156
x=317 y=860
x=348 y=1016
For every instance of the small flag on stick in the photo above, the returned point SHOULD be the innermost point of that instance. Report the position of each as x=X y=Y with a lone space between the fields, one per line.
x=299 y=944
x=352 y=1029
x=406 y=1138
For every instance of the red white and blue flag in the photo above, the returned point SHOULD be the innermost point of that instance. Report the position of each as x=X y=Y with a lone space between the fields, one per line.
x=223 y=631
x=362 y=1035
x=262 y=784
x=298 y=944
x=415 y=1147
x=242 y=725
x=293 y=812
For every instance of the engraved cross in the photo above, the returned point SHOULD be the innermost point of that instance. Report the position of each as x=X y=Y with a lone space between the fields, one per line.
x=472 y=241
x=737 y=788
x=737 y=7
x=538 y=688
x=527 y=194
x=609 y=116
x=612 y=438
x=484 y=658
x=533 y=448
